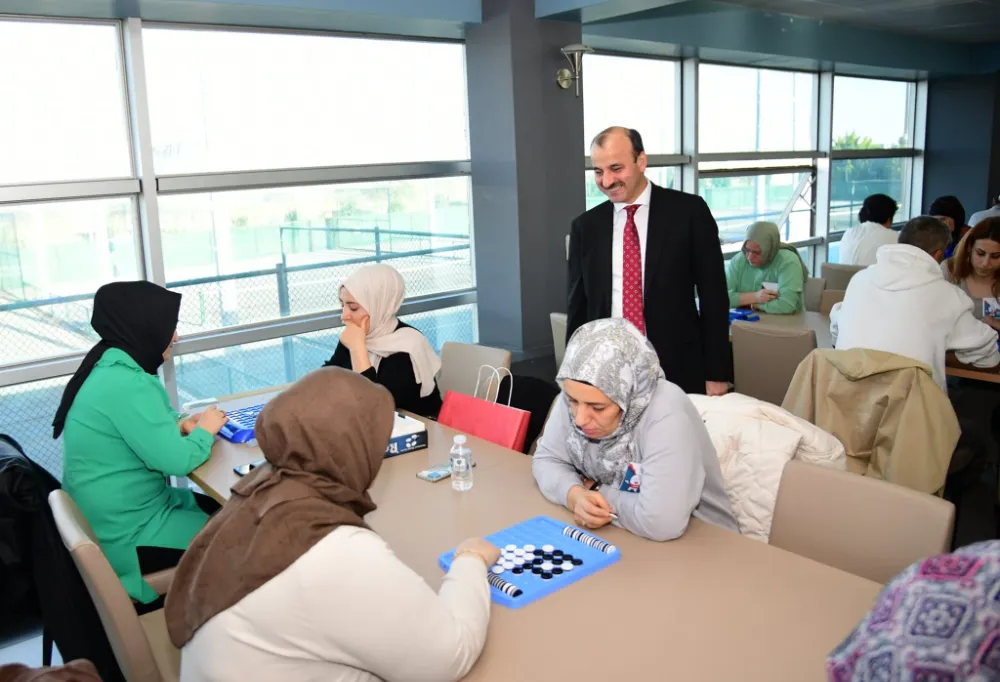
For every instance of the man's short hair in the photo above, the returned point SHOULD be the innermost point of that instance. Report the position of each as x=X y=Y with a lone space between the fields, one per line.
x=926 y=233
x=878 y=208
x=633 y=136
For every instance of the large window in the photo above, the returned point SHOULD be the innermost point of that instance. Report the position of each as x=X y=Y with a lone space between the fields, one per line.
x=872 y=140
x=872 y=114
x=62 y=107
x=755 y=110
x=247 y=256
x=851 y=180
x=282 y=162
x=238 y=100
x=256 y=366
x=27 y=415
x=663 y=176
x=634 y=93
x=53 y=256
x=738 y=201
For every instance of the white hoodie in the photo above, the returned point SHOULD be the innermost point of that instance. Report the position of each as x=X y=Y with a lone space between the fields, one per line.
x=904 y=305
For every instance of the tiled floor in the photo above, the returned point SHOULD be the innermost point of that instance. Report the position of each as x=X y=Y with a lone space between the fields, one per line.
x=27 y=650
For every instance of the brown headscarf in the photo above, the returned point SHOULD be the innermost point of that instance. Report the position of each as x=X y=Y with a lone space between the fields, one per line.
x=325 y=439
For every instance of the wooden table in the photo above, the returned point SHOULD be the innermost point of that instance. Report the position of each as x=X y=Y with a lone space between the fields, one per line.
x=957 y=369
x=711 y=605
x=818 y=322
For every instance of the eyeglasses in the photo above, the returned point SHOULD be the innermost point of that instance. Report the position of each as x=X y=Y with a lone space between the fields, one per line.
x=747 y=251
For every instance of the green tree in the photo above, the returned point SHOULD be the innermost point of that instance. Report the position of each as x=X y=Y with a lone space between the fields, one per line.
x=854 y=179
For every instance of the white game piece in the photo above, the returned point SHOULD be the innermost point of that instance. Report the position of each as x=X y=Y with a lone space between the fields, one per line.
x=510 y=548
x=518 y=552
x=547 y=548
x=567 y=566
x=547 y=566
x=519 y=561
x=498 y=569
x=529 y=548
x=508 y=565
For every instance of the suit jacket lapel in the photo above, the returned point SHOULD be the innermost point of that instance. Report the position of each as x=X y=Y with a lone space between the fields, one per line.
x=603 y=243
x=656 y=237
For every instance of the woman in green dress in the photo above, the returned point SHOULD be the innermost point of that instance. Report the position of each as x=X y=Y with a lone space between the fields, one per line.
x=767 y=275
x=122 y=440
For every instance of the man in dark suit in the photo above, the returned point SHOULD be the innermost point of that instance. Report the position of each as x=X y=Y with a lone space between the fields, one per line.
x=644 y=255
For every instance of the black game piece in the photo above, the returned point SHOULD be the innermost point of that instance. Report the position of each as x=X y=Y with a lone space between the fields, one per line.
x=538 y=552
x=518 y=570
x=547 y=556
x=557 y=553
x=556 y=571
x=577 y=562
x=567 y=557
x=546 y=575
x=538 y=561
x=537 y=570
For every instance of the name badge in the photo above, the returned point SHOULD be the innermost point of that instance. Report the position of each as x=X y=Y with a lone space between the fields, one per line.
x=632 y=481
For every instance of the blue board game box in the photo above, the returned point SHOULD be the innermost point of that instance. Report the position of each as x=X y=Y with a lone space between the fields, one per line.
x=408 y=434
x=744 y=314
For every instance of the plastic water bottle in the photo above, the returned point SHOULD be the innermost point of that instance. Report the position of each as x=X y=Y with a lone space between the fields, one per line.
x=461 y=465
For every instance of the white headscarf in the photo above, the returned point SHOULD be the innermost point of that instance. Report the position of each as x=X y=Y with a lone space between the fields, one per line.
x=380 y=290
x=613 y=356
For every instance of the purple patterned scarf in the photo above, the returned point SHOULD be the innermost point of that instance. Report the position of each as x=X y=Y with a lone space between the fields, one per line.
x=937 y=621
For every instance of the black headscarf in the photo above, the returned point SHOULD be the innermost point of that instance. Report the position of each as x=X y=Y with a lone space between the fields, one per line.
x=137 y=317
x=950 y=207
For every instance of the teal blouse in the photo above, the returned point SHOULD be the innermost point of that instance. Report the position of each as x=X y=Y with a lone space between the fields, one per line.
x=785 y=269
x=120 y=443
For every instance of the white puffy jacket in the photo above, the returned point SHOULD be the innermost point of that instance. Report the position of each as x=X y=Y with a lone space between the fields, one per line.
x=754 y=439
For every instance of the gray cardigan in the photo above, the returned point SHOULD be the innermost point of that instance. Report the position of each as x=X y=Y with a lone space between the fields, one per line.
x=680 y=473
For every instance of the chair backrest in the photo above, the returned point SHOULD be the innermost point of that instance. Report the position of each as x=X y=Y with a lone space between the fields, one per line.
x=460 y=363
x=813 y=293
x=830 y=298
x=837 y=275
x=558 y=321
x=858 y=524
x=765 y=358
x=534 y=443
x=117 y=613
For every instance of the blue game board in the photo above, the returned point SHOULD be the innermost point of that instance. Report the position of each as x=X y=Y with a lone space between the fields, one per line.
x=588 y=552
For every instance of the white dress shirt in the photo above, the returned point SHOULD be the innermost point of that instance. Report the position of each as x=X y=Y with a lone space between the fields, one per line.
x=980 y=216
x=618 y=245
x=861 y=242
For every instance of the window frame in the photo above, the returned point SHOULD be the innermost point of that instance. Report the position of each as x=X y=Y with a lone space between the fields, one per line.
x=145 y=186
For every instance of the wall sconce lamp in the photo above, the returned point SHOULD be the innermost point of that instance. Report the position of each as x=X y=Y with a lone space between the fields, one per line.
x=574 y=54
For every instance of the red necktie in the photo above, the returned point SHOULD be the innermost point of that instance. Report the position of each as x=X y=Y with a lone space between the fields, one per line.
x=632 y=272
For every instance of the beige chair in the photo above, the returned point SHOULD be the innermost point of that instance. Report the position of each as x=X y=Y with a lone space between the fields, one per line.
x=837 y=275
x=534 y=446
x=830 y=298
x=813 y=293
x=765 y=358
x=558 y=321
x=141 y=644
x=856 y=523
x=460 y=364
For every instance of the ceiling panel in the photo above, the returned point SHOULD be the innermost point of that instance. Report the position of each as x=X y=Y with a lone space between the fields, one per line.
x=959 y=20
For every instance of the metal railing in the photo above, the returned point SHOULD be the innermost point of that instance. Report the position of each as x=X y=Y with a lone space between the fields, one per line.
x=280 y=270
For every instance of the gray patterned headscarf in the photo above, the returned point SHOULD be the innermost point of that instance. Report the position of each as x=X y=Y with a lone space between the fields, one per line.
x=613 y=356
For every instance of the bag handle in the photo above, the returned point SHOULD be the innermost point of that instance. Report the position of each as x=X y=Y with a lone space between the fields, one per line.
x=494 y=373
